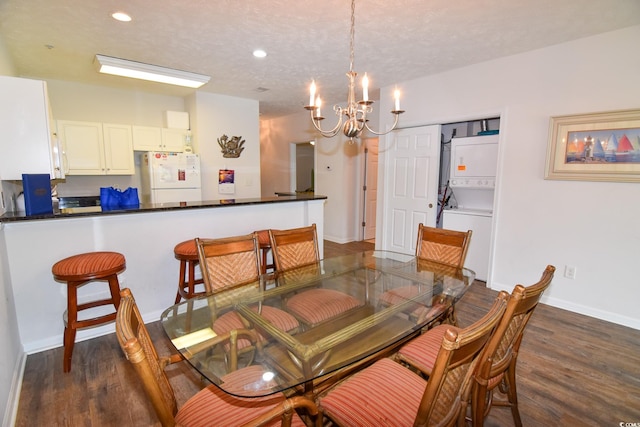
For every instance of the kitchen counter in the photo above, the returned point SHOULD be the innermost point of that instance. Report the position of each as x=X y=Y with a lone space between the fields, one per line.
x=146 y=236
x=154 y=207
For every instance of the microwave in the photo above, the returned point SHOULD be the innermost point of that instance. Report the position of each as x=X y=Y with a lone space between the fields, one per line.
x=474 y=162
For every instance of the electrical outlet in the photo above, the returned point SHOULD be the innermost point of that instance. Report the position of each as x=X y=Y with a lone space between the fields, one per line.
x=570 y=272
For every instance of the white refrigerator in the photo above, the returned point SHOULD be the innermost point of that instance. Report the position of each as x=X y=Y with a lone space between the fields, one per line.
x=170 y=177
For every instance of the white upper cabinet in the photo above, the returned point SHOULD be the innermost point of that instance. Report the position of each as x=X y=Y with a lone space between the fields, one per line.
x=93 y=148
x=174 y=139
x=147 y=138
x=118 y=149
x=27 y=144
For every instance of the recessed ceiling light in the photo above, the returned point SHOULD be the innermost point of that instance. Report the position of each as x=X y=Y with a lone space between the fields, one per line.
x=121 y=16
x=259 y=53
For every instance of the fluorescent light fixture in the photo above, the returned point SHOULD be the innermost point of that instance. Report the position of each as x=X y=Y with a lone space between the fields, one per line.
x=154 y=73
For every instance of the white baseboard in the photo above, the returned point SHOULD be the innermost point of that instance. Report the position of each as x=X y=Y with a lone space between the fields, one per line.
x=84 y=334
x=337 y=240
x=607 y=316
x=11 y=411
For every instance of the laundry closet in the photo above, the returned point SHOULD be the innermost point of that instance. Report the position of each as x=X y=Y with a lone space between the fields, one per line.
x=468 y=166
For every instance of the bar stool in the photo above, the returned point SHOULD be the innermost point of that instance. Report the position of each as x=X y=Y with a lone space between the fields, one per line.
x=79 y=270
x=187 y=253
x=265 y=246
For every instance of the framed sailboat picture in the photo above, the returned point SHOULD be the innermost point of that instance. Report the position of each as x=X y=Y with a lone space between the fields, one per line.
x=595 y=147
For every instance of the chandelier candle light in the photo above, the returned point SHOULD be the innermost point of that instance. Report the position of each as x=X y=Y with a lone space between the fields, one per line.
x=355 y=111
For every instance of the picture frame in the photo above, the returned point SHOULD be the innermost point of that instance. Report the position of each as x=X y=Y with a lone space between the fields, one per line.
x=594 y=147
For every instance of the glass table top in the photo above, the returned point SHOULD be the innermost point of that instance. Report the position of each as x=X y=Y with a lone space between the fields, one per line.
x=302 y=327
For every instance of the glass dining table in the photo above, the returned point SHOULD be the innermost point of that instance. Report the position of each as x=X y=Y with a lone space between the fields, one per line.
x=395 y=297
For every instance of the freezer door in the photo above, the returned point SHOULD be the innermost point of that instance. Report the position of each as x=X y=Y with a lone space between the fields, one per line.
x=174 y=170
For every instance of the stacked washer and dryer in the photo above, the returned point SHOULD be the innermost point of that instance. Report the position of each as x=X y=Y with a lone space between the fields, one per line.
x=472 y=179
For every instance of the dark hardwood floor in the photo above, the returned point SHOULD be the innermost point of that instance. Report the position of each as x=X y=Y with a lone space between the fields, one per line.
x=573 y=370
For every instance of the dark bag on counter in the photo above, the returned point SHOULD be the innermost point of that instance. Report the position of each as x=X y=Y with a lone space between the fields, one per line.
x=114 y=198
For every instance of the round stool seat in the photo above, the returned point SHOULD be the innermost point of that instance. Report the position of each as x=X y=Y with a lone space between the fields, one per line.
x=263 y=238
x=88 y=266
x=186 y=250
x=76 y=271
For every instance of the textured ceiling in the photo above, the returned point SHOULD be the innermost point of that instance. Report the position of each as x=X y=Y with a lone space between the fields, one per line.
x=394 y=40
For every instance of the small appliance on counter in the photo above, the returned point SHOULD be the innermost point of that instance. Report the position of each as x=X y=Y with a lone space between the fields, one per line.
x=78 y=204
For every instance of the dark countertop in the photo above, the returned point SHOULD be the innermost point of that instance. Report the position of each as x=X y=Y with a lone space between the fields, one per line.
x=154 y=207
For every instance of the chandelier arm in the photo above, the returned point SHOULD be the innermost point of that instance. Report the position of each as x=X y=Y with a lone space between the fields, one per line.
x=395 y=123
x=326 y=133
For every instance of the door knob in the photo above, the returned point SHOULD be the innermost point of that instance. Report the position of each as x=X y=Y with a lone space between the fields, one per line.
x=430 y=205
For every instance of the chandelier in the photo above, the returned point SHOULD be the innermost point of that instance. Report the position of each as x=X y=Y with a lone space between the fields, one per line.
x=355 y=113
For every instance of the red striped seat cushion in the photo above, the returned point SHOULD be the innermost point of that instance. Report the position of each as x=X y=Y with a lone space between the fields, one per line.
x=232 y=320
x=399 y=295
x=384 y=394
x=88 y=265
x=213 y=407
x=418 y=311
x=248 y=381
x=186 y=250
x=263 y=238
x=422 y=351
x=317 y=305
x=429 y=313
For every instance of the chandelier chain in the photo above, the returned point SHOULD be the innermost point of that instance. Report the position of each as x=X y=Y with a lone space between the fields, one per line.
x=353 y=34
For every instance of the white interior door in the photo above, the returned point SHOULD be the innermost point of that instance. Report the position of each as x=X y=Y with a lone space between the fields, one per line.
x=411 y=165
x=371 y=192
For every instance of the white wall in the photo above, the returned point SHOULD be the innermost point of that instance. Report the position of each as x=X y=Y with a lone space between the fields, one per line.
x=215 y=115
x=77 y=101
x=590 y=225
x=337 y=170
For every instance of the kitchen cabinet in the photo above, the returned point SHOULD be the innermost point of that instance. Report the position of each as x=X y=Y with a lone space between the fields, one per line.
x=93 y=148
x=175 y=139
x=147 y=138
x=28 y=144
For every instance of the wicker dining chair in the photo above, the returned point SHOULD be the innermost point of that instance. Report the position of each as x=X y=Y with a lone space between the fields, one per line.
x=229 y=264
x=434 y=244
x=388 y=393
x=210 y=406
x=296 y=248
x=497 y=367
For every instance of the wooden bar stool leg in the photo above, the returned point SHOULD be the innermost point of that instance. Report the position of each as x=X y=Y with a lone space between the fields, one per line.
x=70 y=326
x=183 y=268
x=114 y=288
x=192 y=278
x=263 y=267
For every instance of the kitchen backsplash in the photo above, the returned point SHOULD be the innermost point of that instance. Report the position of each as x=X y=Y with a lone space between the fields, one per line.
x=90 y=185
